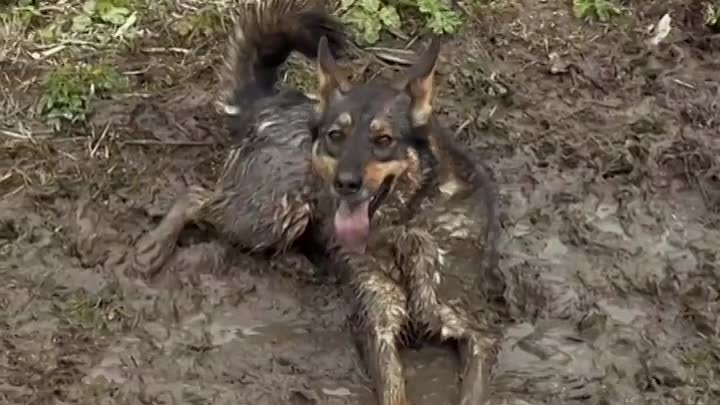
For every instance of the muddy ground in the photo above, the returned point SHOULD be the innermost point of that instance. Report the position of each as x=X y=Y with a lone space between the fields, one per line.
x=606 y=155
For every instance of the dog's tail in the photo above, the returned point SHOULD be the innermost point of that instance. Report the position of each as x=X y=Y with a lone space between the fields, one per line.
x=265 y=33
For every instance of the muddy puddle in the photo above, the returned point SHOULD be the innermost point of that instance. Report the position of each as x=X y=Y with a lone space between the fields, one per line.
x=606 y=159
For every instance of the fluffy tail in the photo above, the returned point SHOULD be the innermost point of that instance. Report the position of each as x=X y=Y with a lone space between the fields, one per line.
x=266 y=32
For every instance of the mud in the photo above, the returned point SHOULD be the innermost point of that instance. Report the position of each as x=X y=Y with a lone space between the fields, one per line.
x=607 y=162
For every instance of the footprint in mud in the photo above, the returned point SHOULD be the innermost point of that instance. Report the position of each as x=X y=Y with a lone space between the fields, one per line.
x=603 y=360
x=613 y=300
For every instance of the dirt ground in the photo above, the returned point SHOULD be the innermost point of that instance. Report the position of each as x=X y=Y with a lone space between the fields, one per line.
x=606 y=153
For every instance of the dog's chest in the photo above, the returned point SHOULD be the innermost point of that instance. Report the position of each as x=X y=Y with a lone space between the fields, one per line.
x=458 y=230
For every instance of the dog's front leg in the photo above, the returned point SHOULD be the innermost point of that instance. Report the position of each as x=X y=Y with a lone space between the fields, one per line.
x=420 y=260
x=380 y=317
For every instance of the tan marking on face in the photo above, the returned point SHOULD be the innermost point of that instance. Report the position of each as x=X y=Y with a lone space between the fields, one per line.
x=406 y=171
x=323 y=165
x=377 y=172
x=344 y=120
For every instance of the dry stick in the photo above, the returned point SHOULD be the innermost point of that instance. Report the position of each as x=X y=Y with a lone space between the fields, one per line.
x=168 y=143
x=99 y=142
x=15 y=135
x=462 y=127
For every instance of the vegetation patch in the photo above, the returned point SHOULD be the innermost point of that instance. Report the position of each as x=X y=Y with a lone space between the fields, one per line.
x=712 y=16
x=371 y=17
x=600 y=10
x=69 y=91
x=207 y=22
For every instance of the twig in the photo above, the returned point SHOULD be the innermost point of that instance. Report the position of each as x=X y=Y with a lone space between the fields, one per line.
x=15 y=135
x=102 y=137
x=462 y=127
x=412 y=41
x=182 y=51
x=6 y=176
x=168 y=143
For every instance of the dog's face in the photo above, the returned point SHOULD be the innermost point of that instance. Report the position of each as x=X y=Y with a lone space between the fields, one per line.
x=365 y=140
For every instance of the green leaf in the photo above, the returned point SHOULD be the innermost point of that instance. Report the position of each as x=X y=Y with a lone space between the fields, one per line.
x=114 y=15
x=440 y=19
x=602 y=10
x=182 y=27
x=370 y=5
x=390 y=17
x=444 y=22
x=371 y=31
x=89 y=7
x=81 y=23
x=368 y=26
x=580 y=8
x=712 y=17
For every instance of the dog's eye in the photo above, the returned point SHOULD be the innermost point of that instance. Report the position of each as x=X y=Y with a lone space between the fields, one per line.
x=383 y=141
x=335 y=135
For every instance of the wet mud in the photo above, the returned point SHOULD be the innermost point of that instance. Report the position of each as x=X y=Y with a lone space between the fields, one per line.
x=606 y=157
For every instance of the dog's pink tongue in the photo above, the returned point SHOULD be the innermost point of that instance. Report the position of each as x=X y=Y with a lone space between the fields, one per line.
x=352 y=226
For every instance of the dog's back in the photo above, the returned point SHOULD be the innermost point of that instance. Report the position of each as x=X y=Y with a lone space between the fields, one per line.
x=265 y=34
x=263 y=185
x=260 y=201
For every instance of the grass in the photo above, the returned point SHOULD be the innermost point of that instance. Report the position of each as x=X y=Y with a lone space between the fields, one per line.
x=712 y=16
x=89 y=315
x=601 y=10
x=69 y=91
x=371 y=17
x=73 y=44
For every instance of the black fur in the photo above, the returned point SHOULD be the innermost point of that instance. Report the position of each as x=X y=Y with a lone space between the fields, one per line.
x=266 y=36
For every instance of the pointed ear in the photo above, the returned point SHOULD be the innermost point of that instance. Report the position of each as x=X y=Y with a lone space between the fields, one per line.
x=331 y=82
x=419 y=84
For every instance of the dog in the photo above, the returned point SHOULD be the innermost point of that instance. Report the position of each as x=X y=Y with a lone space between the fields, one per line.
x=405 y=208
x=364 y=175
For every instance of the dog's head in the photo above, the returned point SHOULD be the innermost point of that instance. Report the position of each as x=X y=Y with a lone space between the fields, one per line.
x=366 y=139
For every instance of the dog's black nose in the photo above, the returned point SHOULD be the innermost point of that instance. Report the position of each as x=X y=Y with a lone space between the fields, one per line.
x=348 y=182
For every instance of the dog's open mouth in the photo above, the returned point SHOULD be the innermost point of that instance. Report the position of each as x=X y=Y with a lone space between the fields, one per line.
x=352 y=223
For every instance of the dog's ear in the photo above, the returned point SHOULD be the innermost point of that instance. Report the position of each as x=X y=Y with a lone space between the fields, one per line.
x=419 y=84
x=331 y=82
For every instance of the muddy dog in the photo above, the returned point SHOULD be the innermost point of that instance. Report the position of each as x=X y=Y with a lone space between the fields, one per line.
x=407 y=209
x=366 y=174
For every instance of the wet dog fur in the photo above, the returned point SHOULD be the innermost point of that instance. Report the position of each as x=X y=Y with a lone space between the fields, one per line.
x=382 y=155
x=261 y=203
x=351 y=175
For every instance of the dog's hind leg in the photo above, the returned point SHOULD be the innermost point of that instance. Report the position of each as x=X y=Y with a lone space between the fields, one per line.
x=381 y=316
x=154 y=248
x=420 y=259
